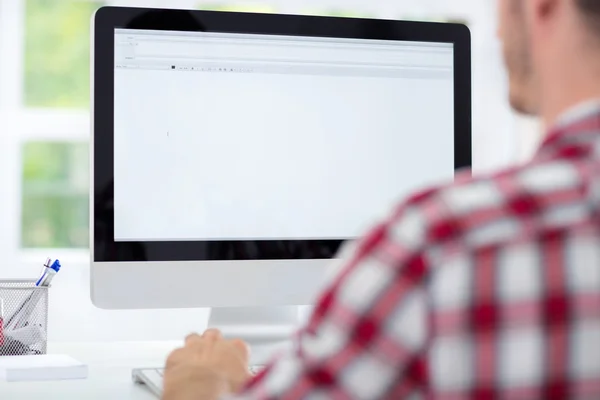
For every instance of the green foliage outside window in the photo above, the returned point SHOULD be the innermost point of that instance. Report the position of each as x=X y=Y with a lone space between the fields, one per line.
x=55 y=195
x=55 y=179
x=57 y=52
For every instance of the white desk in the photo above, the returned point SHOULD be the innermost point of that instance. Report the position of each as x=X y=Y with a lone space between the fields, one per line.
x=109 y=373
x=110 y=366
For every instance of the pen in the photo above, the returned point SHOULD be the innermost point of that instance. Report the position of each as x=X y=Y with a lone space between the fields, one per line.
x=20 y=317
x=47 y=265
x=48 y=273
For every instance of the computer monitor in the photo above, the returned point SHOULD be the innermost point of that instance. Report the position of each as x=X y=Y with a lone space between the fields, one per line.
x=233 y=153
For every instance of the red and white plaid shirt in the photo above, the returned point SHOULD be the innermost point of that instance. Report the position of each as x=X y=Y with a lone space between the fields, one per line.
x=485 y=288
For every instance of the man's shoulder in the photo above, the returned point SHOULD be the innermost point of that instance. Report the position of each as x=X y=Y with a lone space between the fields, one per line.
x=493 y=207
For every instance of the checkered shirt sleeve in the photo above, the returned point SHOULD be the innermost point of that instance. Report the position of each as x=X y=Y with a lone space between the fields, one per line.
x=487 y=288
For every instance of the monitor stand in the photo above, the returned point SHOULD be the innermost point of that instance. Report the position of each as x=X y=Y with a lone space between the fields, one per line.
x=264 y=329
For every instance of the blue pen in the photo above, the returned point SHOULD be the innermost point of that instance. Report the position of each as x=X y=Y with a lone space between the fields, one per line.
x=20 y=317
x=48 y=273
x=47 y=265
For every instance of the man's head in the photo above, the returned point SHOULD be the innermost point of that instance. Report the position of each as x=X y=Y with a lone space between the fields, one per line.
x=546 y=44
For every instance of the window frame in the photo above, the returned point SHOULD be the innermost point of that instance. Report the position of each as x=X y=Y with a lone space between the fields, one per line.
x=11 y=76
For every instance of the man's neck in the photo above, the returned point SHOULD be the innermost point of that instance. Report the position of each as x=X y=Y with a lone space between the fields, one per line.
x=570 y=82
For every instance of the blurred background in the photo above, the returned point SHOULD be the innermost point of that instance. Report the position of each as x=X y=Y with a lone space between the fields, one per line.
x=44 y=127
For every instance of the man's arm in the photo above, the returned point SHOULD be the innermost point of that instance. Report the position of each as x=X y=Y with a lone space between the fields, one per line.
x=365 y=337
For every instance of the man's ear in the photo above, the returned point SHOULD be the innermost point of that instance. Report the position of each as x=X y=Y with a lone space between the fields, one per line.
x=541 y=15
x=543 y=10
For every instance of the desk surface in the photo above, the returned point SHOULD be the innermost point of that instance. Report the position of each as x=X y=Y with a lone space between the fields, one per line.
x=110 y=366
x=109 y=377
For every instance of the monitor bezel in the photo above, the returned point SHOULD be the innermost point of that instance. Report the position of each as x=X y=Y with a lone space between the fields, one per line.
x=107 y=19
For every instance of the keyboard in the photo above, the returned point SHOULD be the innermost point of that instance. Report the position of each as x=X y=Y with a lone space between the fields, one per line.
x=152 y=378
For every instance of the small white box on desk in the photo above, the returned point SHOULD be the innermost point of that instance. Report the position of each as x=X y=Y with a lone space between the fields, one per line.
x=41 y=368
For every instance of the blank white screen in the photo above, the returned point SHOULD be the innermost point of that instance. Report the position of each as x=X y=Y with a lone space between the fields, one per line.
x=255 y=155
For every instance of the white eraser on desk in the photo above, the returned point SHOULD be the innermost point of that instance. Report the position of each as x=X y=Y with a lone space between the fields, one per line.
x=41 y=368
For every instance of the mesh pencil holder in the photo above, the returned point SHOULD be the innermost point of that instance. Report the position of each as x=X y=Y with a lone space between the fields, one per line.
x=23 y=318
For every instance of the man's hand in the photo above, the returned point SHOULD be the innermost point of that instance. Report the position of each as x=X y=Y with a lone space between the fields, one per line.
x=206 y=368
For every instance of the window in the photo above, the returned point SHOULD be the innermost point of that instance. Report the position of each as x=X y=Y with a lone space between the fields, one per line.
x=57 y=52
x=54 y=169
x=55 y=194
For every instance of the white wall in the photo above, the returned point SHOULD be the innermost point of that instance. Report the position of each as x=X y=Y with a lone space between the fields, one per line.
x=499 y=139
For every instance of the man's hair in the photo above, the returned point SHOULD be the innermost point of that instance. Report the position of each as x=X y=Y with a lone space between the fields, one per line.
x=591 y=12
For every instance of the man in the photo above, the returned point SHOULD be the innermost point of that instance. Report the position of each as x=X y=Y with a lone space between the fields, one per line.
x=485 y=288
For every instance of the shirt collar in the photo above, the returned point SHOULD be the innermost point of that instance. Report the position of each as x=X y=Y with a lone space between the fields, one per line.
x=574 y=134
x=577 y=113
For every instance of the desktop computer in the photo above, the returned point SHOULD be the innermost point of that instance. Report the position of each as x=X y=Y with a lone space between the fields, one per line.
x=233 y=154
